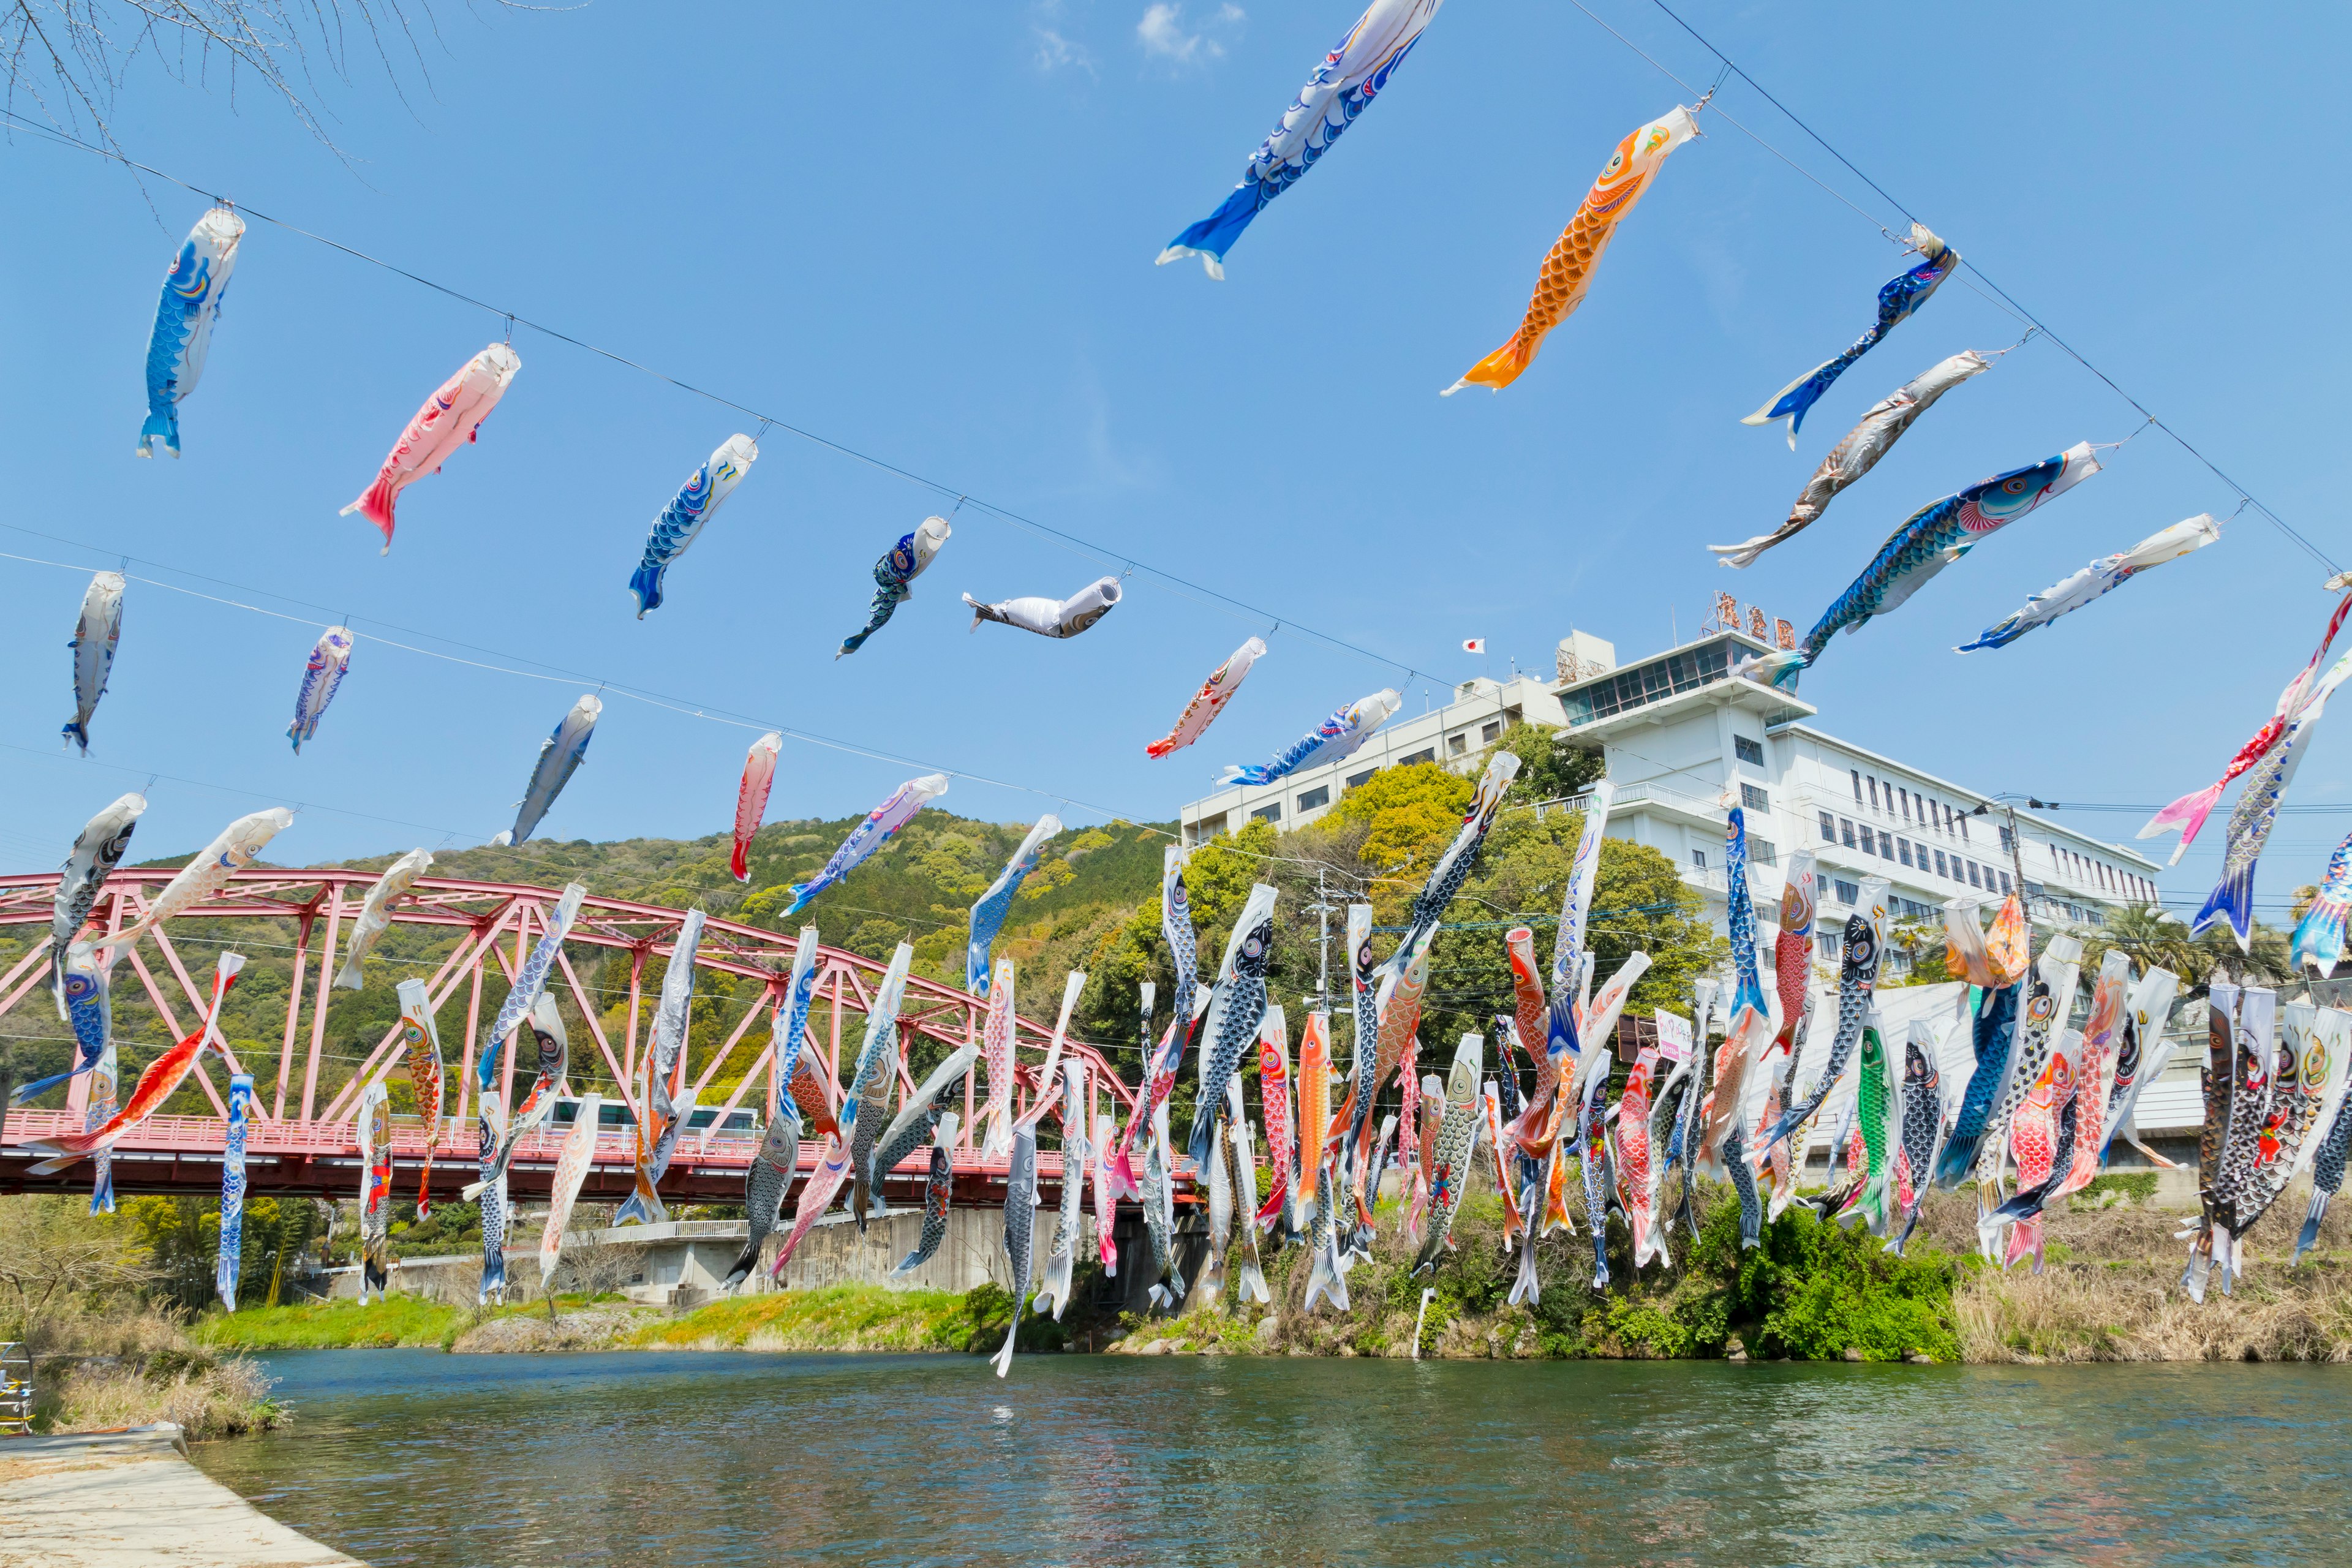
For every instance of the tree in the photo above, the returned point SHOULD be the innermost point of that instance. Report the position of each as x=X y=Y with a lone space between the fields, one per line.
x=1549 y=769
x=53 y=1257
x=71 y=57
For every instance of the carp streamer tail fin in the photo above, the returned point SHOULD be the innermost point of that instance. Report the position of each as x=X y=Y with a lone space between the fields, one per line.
x=494 y=1278
x=1213 y=236
x=645 y=583
x=642 y=1205
x=375 y=504
x=77 y=732
x=1497 y=370
x=2309 y=1236
x=164 y=428
x=1778 y=669
x=2232 y=898
x=1326 y=1281
x=2187 y=814
x=1526 y=1288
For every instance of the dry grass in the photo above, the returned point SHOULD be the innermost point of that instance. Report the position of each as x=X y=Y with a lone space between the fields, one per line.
x=2138 y=1312
x=208 y=1398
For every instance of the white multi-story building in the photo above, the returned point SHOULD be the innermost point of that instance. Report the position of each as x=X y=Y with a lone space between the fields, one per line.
x=1683 y=738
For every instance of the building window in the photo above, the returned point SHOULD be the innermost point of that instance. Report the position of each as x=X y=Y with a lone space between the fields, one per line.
x=2004 y=881
x=1491 y=731
x=1903 y=799
x=1747 y=750
x=1828 y=941
x=1358 y=780
x=1270 y=812
x=1873 y=793
x=1828 y=828
x=1428 y=755
x=1698 y=858
x=1885 y=847
x=1456 y=744
x=1857 y=785
x=1973 y=883
x=1902 y=850
x=1847 y=892
x=1847 y=827
x=2007 y=846
x=1321 y=796
x=1763 y=852
x=1754 y=799
x=1964 y=827
x=1940 y=864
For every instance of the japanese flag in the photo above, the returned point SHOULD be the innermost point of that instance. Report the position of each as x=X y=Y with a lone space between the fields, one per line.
x=1474 y=644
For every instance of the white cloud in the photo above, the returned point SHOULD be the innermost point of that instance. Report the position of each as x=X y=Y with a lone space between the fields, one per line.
x=1164 y=36
x=1055 y=51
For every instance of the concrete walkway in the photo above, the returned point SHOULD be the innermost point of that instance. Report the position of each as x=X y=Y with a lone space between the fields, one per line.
x=110 y=1500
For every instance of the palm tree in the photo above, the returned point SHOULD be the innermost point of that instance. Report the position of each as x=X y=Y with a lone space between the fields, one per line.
x=2152 y=937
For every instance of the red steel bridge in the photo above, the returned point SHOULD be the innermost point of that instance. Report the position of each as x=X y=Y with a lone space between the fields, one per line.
x=298 y=1145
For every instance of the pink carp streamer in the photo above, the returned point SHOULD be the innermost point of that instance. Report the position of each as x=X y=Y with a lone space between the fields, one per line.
x=752 y=800
x=450 y=419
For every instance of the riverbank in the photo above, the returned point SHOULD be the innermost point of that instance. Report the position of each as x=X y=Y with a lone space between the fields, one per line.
x=129 y=1499
x=1811 y=1291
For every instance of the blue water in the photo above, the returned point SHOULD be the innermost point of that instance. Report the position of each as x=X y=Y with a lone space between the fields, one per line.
x=414 y=1457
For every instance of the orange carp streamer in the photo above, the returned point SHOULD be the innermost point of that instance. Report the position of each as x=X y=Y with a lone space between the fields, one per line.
x=1568 y=270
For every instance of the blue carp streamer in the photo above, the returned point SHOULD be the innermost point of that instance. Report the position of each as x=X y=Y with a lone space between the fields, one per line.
x=1896 y=301
x=988 y=914
x=696 y=503
x=1334 y=740
x=191 y=307
x=1343 y=85
x=899 y=566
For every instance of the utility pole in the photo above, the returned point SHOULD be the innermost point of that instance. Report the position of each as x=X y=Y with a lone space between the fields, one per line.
x=1322 y=908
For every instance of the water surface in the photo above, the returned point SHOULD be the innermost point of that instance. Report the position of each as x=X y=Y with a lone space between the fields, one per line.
x=414 y=1457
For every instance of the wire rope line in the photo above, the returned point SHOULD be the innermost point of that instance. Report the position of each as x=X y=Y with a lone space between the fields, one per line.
x=2000 y=297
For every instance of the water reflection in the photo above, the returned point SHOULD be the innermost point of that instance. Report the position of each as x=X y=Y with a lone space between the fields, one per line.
x=402 y=1456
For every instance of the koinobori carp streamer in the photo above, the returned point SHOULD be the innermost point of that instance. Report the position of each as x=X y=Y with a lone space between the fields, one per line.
x=1344 y=84
x=1567 y=271
x=184 y=321
x=1897 y=300
x=696 y=502
x=450 y=419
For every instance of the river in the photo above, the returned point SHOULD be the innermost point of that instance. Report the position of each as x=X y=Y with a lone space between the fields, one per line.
x=414 y=1457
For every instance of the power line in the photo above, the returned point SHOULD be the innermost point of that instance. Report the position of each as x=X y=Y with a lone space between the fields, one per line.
x=2005 y=301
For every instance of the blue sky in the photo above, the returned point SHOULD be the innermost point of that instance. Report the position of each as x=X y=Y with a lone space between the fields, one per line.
x=929 y=239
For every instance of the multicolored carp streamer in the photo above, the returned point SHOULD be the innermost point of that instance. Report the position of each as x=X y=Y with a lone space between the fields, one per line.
x=1210 y=700
x=1566 y=272
x=2258 y=1113
x=2331 y=1131
x=663 y=1102
x=2257 y=813
x=1334 y=740
x=1280 y=1211
x=696 y=502
x=788 y=1030
x=1051 y=618
x=1637 y=1176
x=2049 y=999
x=1106 y=1191
x=322 y=675
x=939 y=1186
x=1343 y=85
x=1159 y=1070
x=1901 y=295
x=870 y=835
x=553 y=1043
x=1792 y=948
x=1865 y=941
x=191 y=307
x=1457 y=1140
x=1920 y=1124
x=2189 y=813
x=2319 y=936
x=1929 y=539
x=376 y=914
x=880 y=1059
x=530 y=980
x=97 y=850
x=572 y=1165
x=240 y=844
x=989 y=910
x=919 y=1115
x=2144 y=1051
x=2102 y=1049
x=96 y=632
x=159 y=1081
x=1237 y=1009
x=104 y=1080
x=89 y=1010
x=1966 y=956
x=227 y=1262
x=1748 y=986
x=2101 y=576
x=1452 y=868
x=375 y=1128
x=490 y=1132
x=2319 y=1035
x=899 y=566
x=1020 y=1233
x=448 y=420
x=752 y=800
x=560 y=756
x=420 y=1039
x=1868 y=441
x=2007 y=942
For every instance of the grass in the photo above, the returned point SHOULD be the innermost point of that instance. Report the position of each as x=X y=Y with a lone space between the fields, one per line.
x=335 y=1325
x=838 y=1317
